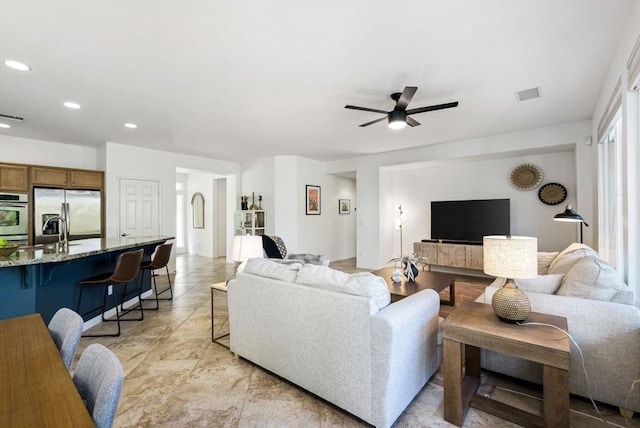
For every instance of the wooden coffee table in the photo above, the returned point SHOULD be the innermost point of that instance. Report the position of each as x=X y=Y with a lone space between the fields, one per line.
x=473 y=326
x=425 y=280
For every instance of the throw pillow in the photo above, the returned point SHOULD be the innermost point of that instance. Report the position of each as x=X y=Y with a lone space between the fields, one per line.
x=270 y=269
x=308 y=258
x=592 y=278
x=544 y=284
x=569 y=257
x=270 y=247
x=544 y=261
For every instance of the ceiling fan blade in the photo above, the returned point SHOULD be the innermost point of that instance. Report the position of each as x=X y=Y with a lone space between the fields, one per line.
x=412 y=122
x=407 y=93
x=366 y=109
x=373 y=121
x=432 y=108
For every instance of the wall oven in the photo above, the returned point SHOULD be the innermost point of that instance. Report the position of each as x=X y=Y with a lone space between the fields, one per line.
x=14 y=217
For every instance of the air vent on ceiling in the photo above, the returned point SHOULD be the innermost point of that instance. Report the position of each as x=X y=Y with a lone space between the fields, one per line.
x=528 y=94
x=10 y=117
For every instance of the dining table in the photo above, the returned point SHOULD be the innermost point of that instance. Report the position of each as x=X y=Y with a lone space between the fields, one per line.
x=36 y=389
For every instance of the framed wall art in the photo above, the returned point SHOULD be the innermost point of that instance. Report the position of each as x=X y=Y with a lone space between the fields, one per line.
x=344 y=206
x=312 y=198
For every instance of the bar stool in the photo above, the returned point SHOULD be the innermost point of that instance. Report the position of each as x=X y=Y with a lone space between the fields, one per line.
x=126 y=270
x=160 y=260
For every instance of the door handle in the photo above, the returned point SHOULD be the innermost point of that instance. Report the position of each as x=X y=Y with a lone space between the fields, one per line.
x=125 y=234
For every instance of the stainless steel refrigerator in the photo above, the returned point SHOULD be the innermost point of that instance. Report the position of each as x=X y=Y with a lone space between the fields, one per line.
x=81 y=208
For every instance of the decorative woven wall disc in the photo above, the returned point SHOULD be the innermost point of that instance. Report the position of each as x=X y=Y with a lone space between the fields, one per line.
x=526 y=177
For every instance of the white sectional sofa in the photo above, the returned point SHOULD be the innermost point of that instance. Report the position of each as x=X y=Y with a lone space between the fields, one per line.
x=601 y=317
x=336 y=335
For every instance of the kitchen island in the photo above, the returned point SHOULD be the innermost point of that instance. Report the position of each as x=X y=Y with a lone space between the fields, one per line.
x=42 y=280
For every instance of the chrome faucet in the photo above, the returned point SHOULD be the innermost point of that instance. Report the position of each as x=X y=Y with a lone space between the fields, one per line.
x=63 y=232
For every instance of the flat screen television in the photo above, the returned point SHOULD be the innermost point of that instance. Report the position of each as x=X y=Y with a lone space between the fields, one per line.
x=468 y=221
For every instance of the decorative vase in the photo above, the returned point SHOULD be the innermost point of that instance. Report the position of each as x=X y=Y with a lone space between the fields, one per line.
x=396 y=275
x=511 y=304
x=410 y=270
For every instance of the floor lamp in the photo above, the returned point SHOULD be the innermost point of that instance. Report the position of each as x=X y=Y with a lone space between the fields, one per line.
x=569 y=215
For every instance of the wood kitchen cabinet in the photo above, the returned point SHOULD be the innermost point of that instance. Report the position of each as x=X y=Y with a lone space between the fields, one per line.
x=86 y=179
x=14 y=178
x=67 y=178
x=43 y=176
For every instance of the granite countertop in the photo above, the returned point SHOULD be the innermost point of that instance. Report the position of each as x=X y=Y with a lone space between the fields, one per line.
x=77 y=249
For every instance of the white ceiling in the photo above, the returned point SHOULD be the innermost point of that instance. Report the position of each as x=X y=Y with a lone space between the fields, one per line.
x=241 y=80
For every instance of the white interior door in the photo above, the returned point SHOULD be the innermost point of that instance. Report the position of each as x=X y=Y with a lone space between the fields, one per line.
x=139 y=207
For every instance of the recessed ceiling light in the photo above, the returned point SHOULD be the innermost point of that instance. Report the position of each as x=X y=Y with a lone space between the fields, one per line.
x=16 y=65
x=71 y=104
x=131 y=125
x=4 y=125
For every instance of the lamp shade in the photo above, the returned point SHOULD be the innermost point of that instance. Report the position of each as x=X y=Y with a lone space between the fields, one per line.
x=510 y=256
x=568 y=215
x=246 y=247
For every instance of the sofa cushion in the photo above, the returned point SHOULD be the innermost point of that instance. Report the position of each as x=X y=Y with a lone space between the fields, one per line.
x=544 y=261
x=592 y=278
x=270 y=269
x=319 y=275
x=569 y=257
x=545 y=284
x=360 y=284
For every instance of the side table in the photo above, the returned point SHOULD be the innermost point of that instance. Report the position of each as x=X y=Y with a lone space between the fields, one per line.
x=473 y=326
x=220 y=287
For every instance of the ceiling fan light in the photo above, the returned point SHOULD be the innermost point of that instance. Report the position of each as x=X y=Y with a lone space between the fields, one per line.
x=397 y=125
x=397 y=119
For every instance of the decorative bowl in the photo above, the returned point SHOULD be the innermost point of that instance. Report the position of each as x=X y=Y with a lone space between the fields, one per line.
x=7 y=250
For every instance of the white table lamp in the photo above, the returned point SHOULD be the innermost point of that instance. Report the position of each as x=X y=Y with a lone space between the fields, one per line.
x=511 y=257
x=246 y=247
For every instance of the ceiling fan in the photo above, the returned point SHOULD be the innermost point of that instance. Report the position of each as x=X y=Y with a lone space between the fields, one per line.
x=399 y=116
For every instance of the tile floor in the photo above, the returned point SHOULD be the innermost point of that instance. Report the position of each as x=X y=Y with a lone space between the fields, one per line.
x=176 y=377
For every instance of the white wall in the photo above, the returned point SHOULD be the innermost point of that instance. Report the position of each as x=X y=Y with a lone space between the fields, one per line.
x=329 y=233
x=258 y=179
x=201 y=241
x=281 y=181
x=131 y=162
x=416 y=188
x=37 y=152
x=181 y=179
x=376 y=203
x=220 y=217
x=344 y=228
x=287 y=198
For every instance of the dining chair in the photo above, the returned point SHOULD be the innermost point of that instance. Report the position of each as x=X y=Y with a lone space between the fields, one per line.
x=66 y=328
x=98 y=379
x=126 y=270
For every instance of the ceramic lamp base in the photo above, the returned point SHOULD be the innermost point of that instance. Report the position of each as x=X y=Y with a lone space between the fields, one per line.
x=511 y=304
